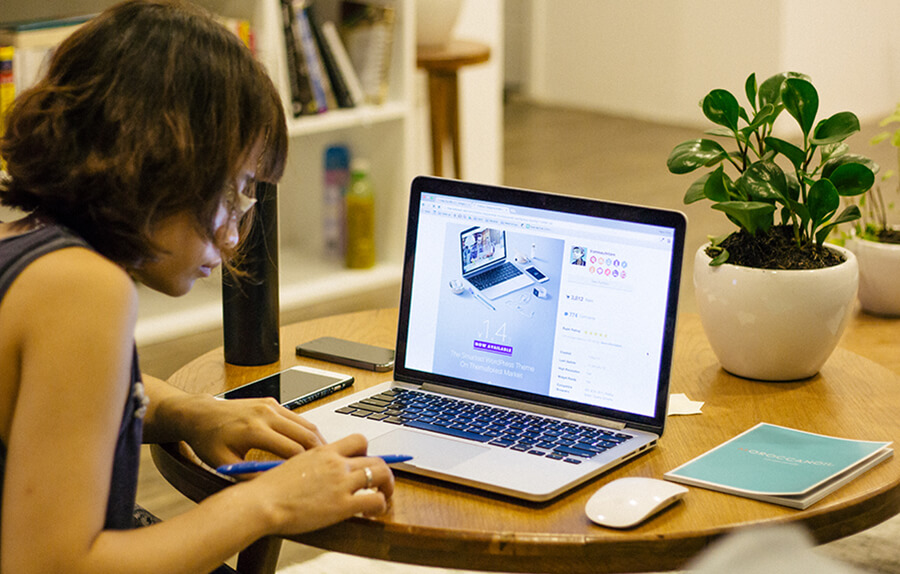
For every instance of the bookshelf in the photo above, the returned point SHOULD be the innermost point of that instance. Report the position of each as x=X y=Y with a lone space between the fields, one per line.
x=393 y=136
x=381 y=133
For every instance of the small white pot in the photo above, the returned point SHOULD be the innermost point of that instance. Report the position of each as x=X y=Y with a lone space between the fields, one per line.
x=879 y=276
x=774 y=325
x=435 y=21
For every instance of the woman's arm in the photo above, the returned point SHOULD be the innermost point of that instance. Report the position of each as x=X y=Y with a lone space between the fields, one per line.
x=74 y=341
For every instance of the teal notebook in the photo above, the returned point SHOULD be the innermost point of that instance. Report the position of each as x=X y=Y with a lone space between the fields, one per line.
x=781 y=465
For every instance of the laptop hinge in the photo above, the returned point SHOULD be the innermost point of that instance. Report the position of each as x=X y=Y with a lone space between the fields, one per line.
x=514 y=404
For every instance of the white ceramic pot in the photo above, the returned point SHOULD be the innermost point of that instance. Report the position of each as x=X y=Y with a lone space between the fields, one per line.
x=774 y=325
x=879 y=276
x=435 y=20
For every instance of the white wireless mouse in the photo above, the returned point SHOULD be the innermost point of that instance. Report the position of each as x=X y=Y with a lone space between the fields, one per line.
x=628 y=501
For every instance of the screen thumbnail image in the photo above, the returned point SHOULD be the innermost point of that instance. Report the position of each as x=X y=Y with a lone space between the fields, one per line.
x=506 y=340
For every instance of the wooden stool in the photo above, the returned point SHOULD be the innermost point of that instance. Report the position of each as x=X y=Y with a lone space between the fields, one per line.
x=442 y=64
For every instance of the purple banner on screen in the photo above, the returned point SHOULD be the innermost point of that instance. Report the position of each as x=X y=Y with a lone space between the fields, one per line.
x=492 y=348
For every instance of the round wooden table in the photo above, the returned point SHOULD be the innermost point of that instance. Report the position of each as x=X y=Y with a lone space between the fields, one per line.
x=438 y=524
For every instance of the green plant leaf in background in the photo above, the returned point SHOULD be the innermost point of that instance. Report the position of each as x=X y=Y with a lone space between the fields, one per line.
x=717 y=185
x=751 y=215
x=822 y=200
x=835 y=129
x=692 y=154
x=794 y=154
x=695 y=191
x=770 y=90
x=801 y=100
x=851 y=213
x=852 y=179
x=722 y=108
x=764 y=180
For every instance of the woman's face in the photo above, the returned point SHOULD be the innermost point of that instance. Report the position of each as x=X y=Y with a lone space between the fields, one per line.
x=186 y=253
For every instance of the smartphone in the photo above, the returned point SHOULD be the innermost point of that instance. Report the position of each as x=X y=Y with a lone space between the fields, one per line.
x=293 y=387
x=536 y=273
x=349 y=353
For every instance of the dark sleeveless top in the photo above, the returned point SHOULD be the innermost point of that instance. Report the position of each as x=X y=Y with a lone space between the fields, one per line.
x=18 y=252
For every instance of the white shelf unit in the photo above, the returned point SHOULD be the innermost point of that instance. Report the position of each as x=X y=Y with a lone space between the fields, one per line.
x=383 y=134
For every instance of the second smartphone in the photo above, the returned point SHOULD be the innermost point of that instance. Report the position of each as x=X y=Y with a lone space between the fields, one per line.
x=349 y=353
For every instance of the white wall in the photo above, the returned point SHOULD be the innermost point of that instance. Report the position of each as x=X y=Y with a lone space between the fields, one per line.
x=655 y=59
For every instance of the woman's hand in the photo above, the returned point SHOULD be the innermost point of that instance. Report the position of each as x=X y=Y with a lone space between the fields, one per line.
x=224 y=431
x=325 y=485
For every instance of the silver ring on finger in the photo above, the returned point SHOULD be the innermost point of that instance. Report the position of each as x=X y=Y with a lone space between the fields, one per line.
x=369 y=477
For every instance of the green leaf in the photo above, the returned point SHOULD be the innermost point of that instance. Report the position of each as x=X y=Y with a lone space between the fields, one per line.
x=852 y=179
x=720 y=132
x=851 y=213
x=719 y=259
x=766 y=115
x=793 y=185
x=722 y=108
x=770 y=90
x=837 y=128
x=823 y=200
x=829 y=166
x=880 y=138
x=794 y=154
x=801 y=100
x=833 y=151
x=717 y=186
x=798 y=209
x=765 y=180
x=695 y=191
x=690 y=155
x=750 y=215
x=750 y=89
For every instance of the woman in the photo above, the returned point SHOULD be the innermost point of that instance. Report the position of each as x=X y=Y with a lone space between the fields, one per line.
x=134 y=160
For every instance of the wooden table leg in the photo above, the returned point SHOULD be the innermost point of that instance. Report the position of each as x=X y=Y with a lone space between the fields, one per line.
x=438 y=96
x=261 y=557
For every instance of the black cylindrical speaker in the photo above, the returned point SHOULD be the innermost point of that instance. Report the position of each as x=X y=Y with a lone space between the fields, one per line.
x=250 y=302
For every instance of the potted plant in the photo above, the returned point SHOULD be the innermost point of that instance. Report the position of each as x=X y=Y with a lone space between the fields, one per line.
x=875 y=243
x=773 y=297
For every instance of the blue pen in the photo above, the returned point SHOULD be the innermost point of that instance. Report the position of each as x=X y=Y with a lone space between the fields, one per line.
x=259 y=466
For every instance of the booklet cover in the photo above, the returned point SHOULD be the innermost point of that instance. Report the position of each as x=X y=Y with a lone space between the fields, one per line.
x=781 y=465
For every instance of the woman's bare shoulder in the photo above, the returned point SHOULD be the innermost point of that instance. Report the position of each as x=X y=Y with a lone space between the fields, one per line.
x=72 y=280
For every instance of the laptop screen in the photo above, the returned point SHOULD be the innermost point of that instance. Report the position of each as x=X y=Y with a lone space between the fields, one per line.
x=593 y=331
x=481 y=247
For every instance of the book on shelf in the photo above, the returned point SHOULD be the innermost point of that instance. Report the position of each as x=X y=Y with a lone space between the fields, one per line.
x=309 y=50
x=342 y=61
x=32 y=43
x=336 y=74
x=782 y=465
x=301 y=93
x=241 y=28
x=367 y=29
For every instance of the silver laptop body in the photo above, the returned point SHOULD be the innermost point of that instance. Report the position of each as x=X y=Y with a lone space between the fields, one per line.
x=584 y=352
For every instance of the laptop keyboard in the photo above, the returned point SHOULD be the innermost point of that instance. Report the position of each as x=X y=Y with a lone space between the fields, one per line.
x=532 y=434
x=493 y=276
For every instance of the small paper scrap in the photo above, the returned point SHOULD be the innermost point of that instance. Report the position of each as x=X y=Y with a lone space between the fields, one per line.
x=680 y=404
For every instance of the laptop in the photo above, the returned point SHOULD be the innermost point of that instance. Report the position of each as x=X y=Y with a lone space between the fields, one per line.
x=534 y=393
x=485 y=265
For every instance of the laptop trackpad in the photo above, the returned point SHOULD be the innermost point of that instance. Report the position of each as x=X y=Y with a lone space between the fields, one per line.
x=433 y=452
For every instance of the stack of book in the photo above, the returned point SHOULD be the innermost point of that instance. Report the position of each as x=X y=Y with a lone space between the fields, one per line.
x=782 y=465
x=331 y=67
x=25 y=49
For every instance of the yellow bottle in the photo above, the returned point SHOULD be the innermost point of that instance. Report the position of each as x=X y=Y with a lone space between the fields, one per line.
x=360 y=214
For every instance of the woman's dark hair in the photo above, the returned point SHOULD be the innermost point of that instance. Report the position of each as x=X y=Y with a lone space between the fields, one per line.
x=147 y=110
